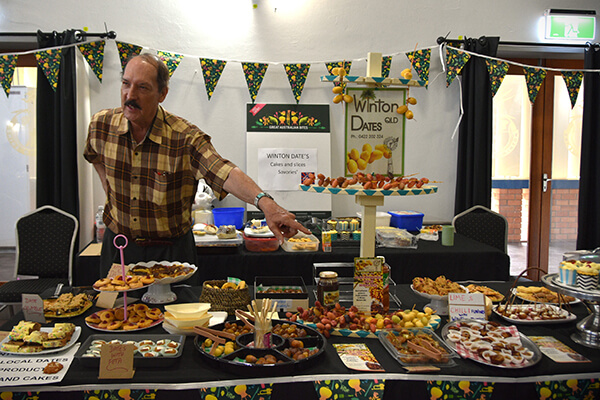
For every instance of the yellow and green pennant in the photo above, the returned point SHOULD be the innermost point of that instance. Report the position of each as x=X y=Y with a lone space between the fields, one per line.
x=126 y=51
x=257 y=391
x=93 y=52
x=296 y=74
x=355 y=389
x=49 y=62
x=534 y=77
x=211 y=70
x=497 y=70
x=573 y=81
x=421 y=61
x=171 y=60
x=572 y=389
x=386 y=65
x=465 y=390
x=254 y=73
x=8 y=63
x=455 y=61
x=337 y=64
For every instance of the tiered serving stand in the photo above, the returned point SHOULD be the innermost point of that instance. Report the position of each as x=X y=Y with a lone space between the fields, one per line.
x=588 y=329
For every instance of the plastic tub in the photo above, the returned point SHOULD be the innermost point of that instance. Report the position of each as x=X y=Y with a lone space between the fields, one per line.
x=381 y=218
x=229 y=216
x=257 y=244
x=410 y=220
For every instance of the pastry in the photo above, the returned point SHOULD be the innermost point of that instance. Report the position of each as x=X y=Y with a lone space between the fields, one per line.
x=227 y=232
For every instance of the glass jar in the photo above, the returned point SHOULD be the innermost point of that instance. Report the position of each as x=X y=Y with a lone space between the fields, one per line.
x=328 y=289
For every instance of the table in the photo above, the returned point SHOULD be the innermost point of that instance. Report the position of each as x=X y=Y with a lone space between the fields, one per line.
x=192 y=372
x=467 y=259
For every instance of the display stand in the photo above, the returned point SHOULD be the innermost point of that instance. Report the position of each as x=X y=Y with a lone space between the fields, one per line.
x=588 y=333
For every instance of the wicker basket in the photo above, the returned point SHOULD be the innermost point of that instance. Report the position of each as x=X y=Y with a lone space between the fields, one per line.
x=224 y=299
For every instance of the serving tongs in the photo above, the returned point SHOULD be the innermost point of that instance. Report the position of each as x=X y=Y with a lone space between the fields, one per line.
x=425 y=348
x=218 y=337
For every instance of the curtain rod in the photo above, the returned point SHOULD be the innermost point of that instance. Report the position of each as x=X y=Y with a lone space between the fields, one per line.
x=442 y=39
x=109 y=34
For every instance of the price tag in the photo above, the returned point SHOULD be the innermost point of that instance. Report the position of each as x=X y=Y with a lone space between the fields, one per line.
x=106 y=299
x=116 y=361
x=466 y=306
x=33 y=308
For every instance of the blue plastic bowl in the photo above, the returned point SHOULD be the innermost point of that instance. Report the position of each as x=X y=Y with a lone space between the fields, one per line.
x=229 y=216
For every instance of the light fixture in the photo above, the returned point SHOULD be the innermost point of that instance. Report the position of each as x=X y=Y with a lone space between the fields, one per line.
x=570 y=25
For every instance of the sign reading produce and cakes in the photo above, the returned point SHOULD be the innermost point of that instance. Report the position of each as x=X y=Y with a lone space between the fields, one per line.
x=371 y=291
x=375 y=131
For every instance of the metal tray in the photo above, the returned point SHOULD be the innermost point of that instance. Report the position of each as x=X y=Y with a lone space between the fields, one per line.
x=138 y=359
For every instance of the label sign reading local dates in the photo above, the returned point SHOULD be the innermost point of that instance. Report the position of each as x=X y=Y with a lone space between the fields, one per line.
x=466 y=306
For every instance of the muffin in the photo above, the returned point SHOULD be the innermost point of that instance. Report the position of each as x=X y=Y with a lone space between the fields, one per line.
x=587 y=278
x=568 y=273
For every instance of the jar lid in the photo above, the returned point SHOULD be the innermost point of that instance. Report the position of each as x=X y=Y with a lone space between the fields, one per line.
x=328 y=274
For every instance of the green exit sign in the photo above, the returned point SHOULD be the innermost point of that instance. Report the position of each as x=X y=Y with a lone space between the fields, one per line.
x=570 y=26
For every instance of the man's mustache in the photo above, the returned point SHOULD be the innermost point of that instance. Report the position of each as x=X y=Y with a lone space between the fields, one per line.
x=132 y=103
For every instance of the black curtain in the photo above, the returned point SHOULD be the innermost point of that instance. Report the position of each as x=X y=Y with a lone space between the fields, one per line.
x=474 y=165
x=588 y=234
x=57 y=182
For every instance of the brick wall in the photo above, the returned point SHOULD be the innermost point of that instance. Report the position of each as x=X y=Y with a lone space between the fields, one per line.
x=514 y=205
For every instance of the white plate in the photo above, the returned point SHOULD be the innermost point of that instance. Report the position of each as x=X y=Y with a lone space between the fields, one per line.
x=70 y=343
x=217 y=318
x=567 y=315
x=252 y=233
x=514 y=292
x=168 y=280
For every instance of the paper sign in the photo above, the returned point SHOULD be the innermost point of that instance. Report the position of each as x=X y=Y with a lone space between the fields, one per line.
x=33 y=308
x=281 y=169
x=466 y=306
x=116 y=361
x=557 y=351
x=106 y=299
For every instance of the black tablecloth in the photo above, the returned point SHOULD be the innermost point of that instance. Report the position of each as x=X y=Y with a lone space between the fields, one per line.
x=192 y=371
x=467 y=259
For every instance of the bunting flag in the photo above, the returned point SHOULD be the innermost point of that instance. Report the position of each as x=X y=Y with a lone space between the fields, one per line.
x=126 y=51
x=455 y=61
x=534 y=77
x=257 y=391
x=345 y=64
x=573 y=81
x=254 y=73
x=171 y=60
x=93 y=52
x=296 y=74
x=497 y=70
x=465 y=390
x=420 y=61
x=386 y=65
x=49 y=62
x=211 y=70
x=8 y=63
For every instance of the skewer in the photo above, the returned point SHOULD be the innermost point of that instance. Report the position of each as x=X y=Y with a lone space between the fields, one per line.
x=215 y=332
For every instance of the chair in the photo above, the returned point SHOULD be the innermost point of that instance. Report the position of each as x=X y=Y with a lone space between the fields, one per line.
x=483 y=225
x=45 y=240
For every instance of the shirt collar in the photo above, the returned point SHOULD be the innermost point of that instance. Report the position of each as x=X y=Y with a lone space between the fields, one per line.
x=155 y=130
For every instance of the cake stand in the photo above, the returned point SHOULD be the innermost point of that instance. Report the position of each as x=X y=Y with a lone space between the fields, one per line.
x=369 y=199
x=588 y=329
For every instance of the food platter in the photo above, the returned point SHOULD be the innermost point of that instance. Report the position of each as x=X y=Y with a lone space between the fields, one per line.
x=565 y=315
x=97 y=328
x=528 y=351
x=438 y=303
x=515 y=292
x=87 y=305
x=109 y=315
x=235 y=361
x=160 y=292
x=406 y=357
x=358 y=190
x=69 y=344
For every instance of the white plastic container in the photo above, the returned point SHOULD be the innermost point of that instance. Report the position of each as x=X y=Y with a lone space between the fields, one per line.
x=381 y=218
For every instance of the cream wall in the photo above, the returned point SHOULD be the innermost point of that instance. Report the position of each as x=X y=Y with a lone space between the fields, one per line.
x=282 y=31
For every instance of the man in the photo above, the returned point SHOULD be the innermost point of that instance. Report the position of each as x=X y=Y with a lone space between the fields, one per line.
x=150 y=161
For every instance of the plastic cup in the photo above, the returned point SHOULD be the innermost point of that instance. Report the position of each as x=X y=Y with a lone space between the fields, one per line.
x=447 y=235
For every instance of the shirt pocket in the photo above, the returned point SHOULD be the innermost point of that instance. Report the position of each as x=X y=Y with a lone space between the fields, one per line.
x=163 y=189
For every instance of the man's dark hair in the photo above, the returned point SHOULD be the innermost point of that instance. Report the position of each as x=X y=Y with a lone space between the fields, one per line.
x=162 y=72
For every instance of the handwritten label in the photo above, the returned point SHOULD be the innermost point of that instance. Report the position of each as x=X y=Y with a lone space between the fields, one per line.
x=33 y=307
x=106 y=299
x=116 y=361
x=466 y=306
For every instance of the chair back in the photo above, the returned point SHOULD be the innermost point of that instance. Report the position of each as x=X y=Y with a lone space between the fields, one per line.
x=483 y=225
x=46 y=243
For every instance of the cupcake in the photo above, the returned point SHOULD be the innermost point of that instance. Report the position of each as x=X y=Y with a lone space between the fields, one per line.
x=568 y=273
x=587 y=278
x=356 y=235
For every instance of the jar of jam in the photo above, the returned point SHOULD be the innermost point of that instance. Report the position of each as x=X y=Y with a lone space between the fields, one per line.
x=328 y=289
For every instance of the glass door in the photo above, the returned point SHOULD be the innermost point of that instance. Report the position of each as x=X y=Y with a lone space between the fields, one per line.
x=536 y=167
